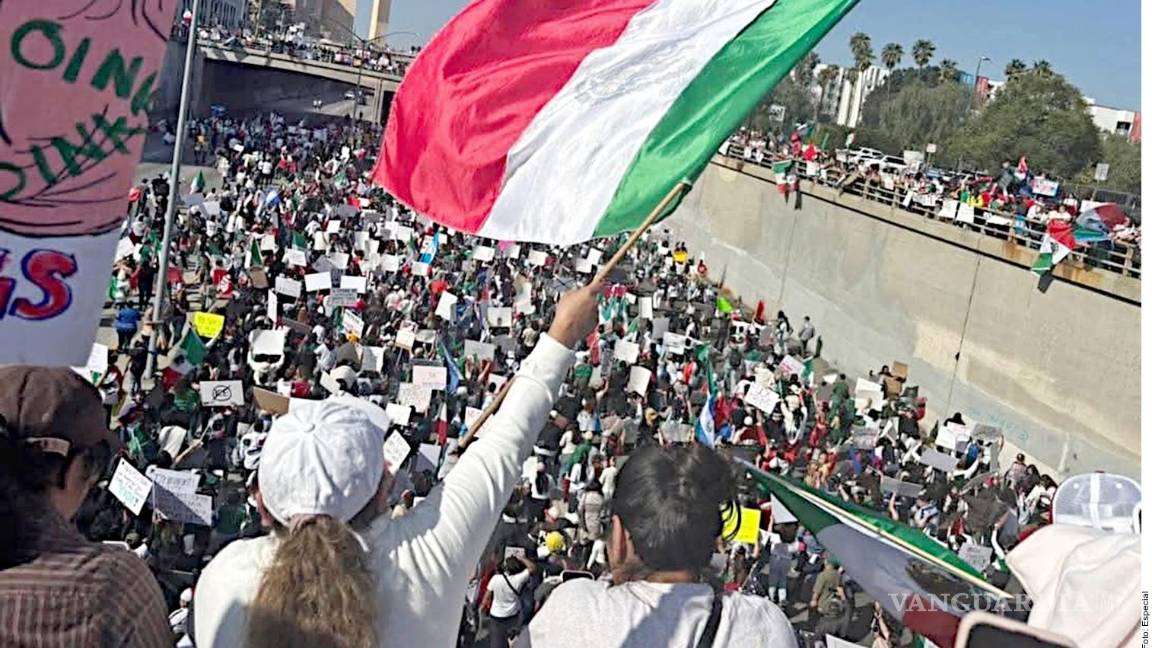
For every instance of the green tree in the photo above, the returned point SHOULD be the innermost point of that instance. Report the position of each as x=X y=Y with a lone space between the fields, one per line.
x=891 y=55
x=913 y=115
x=922 y=52
x=949 y=71
x=861 y=46
x=1042 y=117
x=1123 y=158
x=1015 y=68
x=797 y=102
x=1042 y=69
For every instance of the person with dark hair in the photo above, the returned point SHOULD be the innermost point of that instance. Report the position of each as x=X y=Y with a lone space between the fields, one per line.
x=503 y=598
x=56 y=588
x=666 y=517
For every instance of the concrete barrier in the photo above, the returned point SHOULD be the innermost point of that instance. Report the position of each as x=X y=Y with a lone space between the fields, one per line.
x=1057 y=371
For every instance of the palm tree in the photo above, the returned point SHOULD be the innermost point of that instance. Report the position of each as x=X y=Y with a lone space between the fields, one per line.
x=1042 y=69
x=1015 y=68
x=861 y=46
x=948 y=71
x=922 y=52
x=824 y=79
x=891 y=55
x=804 y=70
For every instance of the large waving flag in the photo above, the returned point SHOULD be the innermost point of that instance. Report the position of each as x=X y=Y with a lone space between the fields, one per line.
x=916 y=579
x=561 y=121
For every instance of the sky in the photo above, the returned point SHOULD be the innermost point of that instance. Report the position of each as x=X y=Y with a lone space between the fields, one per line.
x=1095 y=45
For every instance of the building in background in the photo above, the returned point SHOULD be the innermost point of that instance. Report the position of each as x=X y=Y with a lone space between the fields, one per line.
x=378 y=21
x=1115 y=120
x=843 y=99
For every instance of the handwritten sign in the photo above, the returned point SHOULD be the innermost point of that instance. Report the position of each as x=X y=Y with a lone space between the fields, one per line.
x=479 y=350
x=207 y=325
x=638 y=379
x=484 y=253
x=77 y=79
x=221 y=393
x=359 y=284
x=130 y=487
x=342 y=297
x=318 y=281
x=352 y=324
x=418 y=397
x=762 y=399
x=500 y=317
x=390 y=263
x=294 y=257
x=537 y=258
x=626 y=352
x=289 y=287
x=396 y=450
x=406 y=339
x=446 y=307
x=398 y=414
x=975 y=555
x=373 y=359
x=430 y=377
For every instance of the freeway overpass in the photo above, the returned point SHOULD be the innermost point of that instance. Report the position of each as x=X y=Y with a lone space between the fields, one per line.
x=251 y=78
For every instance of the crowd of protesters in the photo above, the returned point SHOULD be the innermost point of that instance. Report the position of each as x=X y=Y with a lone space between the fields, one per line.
x=345 y=509
x=1013 y=200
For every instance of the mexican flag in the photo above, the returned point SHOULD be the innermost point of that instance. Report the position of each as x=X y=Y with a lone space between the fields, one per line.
x=255 y=257
x=197 y=183
x=1061 y=238
x=193 y=348
x=616 y=102
x=917 y=580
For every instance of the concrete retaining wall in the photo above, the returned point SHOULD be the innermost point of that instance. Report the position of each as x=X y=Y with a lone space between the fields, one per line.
x=1058 y=371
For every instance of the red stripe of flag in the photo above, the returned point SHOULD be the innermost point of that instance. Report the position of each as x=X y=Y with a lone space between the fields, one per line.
x=474 y=90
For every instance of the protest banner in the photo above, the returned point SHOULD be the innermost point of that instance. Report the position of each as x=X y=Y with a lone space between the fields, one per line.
x=333 y=227
x=953 y=437
x=318 y=281
x=402 y=233
x=744 y=523
x=221 y=393
x=445 y=308
x=258 y=277
x=363 y=241
x=270 y=401
x=339 y=260
x=432 y=377
x=359 y=284
x=207 y=325
x=975 y=555
x=479 y=350
x=73 y=132
x=426 y=336
x=537 y=258
x=352 y=323
x=627 y=352
x=342 y=297
x=396 y=451
x=390 y=263
x=268 y=243
x=320 y=242
x=583 y=266
x=406 y=339
x=130 y=487
x=499 y=317
x=417 y=397
x=329 y=383
x=638 y=379
x=289 y=287
x=891 y=485
x=421 y=269
x=866 y=389
x=864 y=438
x=398 y=414
x=674 y=342
x=765 y=378
x=173 y=481
x=372 y=358
x=189 y=508
x=938 y=460
x=268 y=343
x=791 y=366
x=645 y=307
x=510 y=251
x=294 y=257
x=97 y=364
x=659 y=327
x=483 y=253
x=761 y=398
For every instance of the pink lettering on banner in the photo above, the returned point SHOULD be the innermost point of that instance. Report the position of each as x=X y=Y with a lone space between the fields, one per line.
x=78 y=78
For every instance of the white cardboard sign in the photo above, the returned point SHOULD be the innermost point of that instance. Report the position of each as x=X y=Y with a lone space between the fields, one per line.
x=318 y=281
x=398 y=414
x=359 y=284
x=638 y=379
x=221 y=393
x=430 y=377
x=286 y=286
x=130 y=486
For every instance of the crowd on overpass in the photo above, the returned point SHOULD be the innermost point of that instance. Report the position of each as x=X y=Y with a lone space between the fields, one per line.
x=325 y=353
x=1014 y=202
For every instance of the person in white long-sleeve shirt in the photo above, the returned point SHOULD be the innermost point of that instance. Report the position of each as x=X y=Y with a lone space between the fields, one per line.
x=324 y=483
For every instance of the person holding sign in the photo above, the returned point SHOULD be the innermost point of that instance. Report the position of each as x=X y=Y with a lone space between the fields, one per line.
x=56 y=587
x=666 y=517
x=336 y=564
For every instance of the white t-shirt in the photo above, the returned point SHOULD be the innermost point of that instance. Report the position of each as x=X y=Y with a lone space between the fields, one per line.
x=652 y=614
x=506 y=591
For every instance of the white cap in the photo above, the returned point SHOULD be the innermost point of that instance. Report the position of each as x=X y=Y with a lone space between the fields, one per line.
x=323 y=458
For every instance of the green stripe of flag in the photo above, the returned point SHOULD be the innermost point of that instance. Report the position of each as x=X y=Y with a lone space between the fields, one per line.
x=716 y=102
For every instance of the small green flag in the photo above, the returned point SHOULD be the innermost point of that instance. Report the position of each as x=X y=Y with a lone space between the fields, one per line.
x=824 y=142
x=298 y=241
x=723 y=305
x=198 y=183
x=194 y=349
x=256 y=259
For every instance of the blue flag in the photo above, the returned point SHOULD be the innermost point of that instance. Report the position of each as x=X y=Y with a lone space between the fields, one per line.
x=453 y=370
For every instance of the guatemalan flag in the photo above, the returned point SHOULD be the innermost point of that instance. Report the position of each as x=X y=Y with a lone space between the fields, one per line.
x=706 y=424
x=562 y=121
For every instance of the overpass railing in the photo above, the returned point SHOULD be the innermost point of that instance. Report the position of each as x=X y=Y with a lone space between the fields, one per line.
x=1114 y=256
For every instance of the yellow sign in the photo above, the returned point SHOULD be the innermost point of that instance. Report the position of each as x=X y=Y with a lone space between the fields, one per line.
x=748 y=520
x=207 y=325
x=680 y=256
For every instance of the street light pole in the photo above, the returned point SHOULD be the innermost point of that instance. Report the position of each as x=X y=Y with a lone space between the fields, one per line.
x=972 y=96
x=173 y=185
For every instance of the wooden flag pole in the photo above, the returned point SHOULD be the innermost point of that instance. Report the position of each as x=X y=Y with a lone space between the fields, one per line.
x=650 y=220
